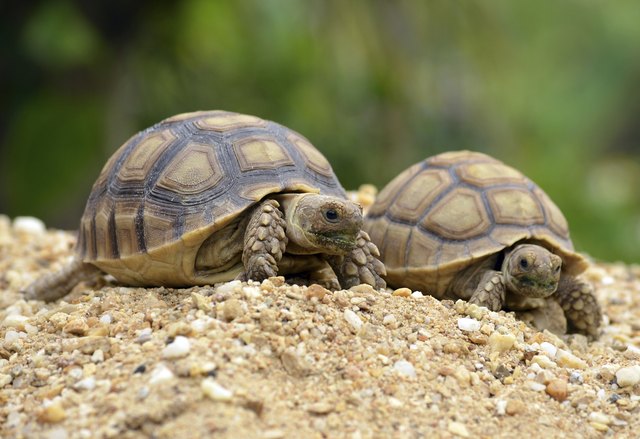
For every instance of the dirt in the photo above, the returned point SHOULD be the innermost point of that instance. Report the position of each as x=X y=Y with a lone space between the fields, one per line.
x=272 y=360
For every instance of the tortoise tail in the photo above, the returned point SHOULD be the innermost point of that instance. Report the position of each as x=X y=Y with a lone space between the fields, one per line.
x=55 y=285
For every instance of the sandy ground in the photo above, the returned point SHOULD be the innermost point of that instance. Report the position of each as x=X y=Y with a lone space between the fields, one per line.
x=273 y=360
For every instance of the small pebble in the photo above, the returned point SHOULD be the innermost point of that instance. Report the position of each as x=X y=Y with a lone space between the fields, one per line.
x=160 y=373
x=232 y=310
x=179 y=347
x=229 y=287
x=557 y=389
x=88 y=383
x=11 y=336
x=543 y=361
x=458 y=429
x=567 y=359
x=144 y=335
x=97 y=356
x=501 y=407
x=105 y=319
x=404 y=368
x=214 y=390
x=501 y=342
x=402 y=292
x=538 y=387
x=52 y=413
x=628 y=376
x=549 y=349
x=514 y=407
x=468 y=324
x=417 y=295
x=632 y=352
x=5 y=379
x=15 y=321
x=353 y=319
x=600 y=418
x=28 y=225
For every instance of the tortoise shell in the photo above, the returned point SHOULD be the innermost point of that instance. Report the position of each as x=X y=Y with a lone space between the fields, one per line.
x=171 y=186
x=455 y=209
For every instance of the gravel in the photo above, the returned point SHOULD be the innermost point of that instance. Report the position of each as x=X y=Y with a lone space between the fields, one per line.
x=273 y=360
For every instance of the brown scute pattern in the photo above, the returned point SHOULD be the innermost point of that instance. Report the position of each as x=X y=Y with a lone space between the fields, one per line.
x=139 y=162
x=258 y=153
x=467 y=207
x=313 y=159
x=225 y=121
x=195 y=169
x=171 y=185
x=390 y=191
x=425 y=187
x=431 y=228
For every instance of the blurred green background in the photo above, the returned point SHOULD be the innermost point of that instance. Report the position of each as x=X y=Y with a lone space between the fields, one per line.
x=551 y=87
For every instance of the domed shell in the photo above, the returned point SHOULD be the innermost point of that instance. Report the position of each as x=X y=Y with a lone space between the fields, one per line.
x=168 y=188
x=451 y=210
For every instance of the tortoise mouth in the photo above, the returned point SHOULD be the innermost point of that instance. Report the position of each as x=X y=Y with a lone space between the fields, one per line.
x=335 y=242
x=528 y=286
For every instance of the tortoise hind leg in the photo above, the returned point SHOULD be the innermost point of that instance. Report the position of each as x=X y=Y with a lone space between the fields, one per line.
x=55 y=285
x=580 y=306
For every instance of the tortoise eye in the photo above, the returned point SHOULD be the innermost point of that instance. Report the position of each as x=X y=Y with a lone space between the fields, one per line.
x=331 y=215
x=524 y=263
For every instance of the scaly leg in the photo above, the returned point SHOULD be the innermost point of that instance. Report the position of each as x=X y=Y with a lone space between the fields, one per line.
x=490 y=291
x=580 y=305
x=53 y=286
x=264 y=242
x=361 y=265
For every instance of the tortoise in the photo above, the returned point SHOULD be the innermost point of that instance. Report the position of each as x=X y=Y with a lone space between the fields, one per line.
x=463 y=225
x=211 y=196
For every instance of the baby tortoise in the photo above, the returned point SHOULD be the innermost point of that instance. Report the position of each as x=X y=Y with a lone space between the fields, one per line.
x=210 y=196
x=465 y=225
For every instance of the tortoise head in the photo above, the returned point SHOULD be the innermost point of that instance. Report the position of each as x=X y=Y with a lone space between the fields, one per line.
x=321 y=223
x=532 y=271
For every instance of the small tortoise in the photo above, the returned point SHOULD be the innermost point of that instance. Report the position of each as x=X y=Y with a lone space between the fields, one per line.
x=465 y=225
x=210 y=196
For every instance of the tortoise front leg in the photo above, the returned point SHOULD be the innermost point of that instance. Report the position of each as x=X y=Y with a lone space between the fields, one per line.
x=490 y=290
x=264 y=242
x=360 y=265
x=580 y=306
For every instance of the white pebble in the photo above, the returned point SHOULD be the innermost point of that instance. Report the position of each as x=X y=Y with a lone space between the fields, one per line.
x=57 y=433
x=543 y=361
x=538 y=387
x=5 y=379
x=388 y=319
x=215 y=391
x=11 y=336
x=600 y=418
x=607 y=280
x=469 y=324
x=15 y=321
x=353 y=319
x=251 y=292
x=28 y=225
x=199 y=325
x=76 y=373
x=88 y=383
x=229 y=287
x=395 y=402
x=501 y=407
x=160 y=373
x=404 y=368
x=628 y=376
x=178 y=348
x=549 y=349
x=632 y=352
x=97 y=356
x=567 y=359
x=105 y=319
x=144 y=335
x=576 y=377
x=417 y=295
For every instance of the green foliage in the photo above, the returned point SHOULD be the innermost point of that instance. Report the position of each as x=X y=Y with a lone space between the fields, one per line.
x=549 y=87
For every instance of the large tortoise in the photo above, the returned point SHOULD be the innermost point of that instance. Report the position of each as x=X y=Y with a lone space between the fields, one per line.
x=210 y=196
x=465 y=225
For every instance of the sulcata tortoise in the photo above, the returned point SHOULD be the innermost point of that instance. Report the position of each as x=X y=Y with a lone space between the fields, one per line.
x=210 y=196
x=465 y=225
